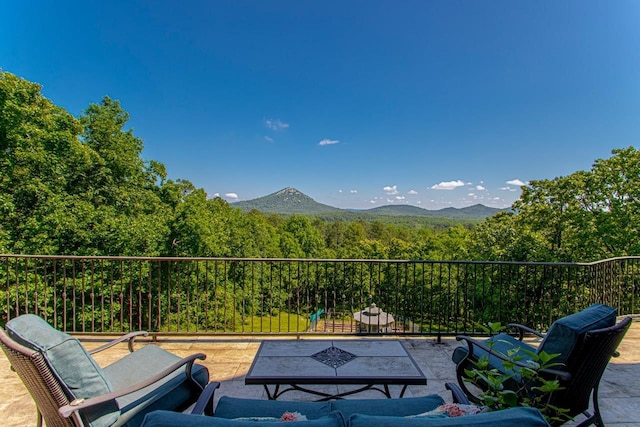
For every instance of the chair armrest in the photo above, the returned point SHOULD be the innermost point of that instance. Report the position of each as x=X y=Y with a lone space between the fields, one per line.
x=204 y=405
x=457 y=394
x=131 y=336
x=524 y=329
x=472 y=342
x=78 y=404
x=562 y=375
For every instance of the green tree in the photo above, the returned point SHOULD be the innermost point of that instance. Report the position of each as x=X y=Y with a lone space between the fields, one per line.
x=200 y=227
x=131 y=218
x=39 y=150
x=308 y=238
x=254 y=237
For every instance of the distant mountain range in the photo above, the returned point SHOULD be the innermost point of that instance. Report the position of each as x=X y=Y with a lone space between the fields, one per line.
x=291 y=201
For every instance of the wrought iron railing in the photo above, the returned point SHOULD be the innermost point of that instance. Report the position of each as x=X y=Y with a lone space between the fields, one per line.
x=305 y=296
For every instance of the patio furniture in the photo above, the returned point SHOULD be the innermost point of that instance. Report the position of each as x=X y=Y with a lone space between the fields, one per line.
x=70 y=389
x=364 y=363
x=407 y=412
x=585 y=342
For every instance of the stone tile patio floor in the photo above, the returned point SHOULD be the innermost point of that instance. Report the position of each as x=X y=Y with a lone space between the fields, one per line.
x=229 y=359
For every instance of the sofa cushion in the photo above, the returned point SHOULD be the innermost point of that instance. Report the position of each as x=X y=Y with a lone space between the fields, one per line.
x=234 y=407
x=521 y=417
x=170 y=393
x=501 y=343
x=172 y=419
x=398 y=407
x=566 y=333
x=79 y=375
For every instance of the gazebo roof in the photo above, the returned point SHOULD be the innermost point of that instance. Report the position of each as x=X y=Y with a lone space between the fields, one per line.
x=373 y=315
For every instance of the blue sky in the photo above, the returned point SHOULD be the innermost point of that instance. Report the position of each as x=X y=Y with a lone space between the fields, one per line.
x=355 y=103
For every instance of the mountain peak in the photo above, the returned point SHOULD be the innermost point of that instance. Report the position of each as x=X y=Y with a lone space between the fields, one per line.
x=289 y=191
x=288 y=200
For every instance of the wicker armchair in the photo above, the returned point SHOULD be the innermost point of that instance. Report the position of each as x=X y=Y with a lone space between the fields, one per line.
x=70 y=389
x=586 y=341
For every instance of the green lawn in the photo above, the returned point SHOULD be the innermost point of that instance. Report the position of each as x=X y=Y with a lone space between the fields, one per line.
x=283 y=322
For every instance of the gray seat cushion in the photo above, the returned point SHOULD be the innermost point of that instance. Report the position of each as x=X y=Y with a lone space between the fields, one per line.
x=170 y=393
x=501 y=343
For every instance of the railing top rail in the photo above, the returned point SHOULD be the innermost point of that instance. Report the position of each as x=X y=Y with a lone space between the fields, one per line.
x=311 y=260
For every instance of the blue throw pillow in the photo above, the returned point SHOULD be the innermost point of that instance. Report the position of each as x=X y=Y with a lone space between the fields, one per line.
x=172 y=419
x=566 y=333
x=234 y=407
x=80 y=376
x=396 y=407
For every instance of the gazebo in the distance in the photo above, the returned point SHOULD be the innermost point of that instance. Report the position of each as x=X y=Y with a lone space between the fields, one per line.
x=373 y=319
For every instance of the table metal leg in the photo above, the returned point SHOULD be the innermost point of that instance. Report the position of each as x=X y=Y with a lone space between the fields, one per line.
x=277 y=392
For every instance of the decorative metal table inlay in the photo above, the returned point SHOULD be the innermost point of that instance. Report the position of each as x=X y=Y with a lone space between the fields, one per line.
x=334 y=357
x=367 y=364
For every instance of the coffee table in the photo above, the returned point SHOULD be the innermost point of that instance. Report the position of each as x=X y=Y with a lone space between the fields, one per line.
x=370 y=364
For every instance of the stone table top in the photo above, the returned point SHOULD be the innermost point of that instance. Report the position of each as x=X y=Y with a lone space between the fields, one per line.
x=334 y=362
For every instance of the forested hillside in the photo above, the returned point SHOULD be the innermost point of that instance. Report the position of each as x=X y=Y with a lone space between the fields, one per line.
x=79 y=186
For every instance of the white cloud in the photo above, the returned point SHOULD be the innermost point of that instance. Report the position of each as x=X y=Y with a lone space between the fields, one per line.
x=327 y=141
x=353 y=191
x=448 y=185
x=276 y=124
x=412 y=192
x=480 y=188
x=516 y=182
x=391 y=189
x=231 y=195
x=471 y=195
x=268 y=139
x=372 y=201
x=400 y=197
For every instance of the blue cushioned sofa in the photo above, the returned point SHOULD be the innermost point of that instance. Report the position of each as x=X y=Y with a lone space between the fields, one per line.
x=239 y=412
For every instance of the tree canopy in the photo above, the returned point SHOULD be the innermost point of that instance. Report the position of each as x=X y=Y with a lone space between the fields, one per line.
x=585 y=216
